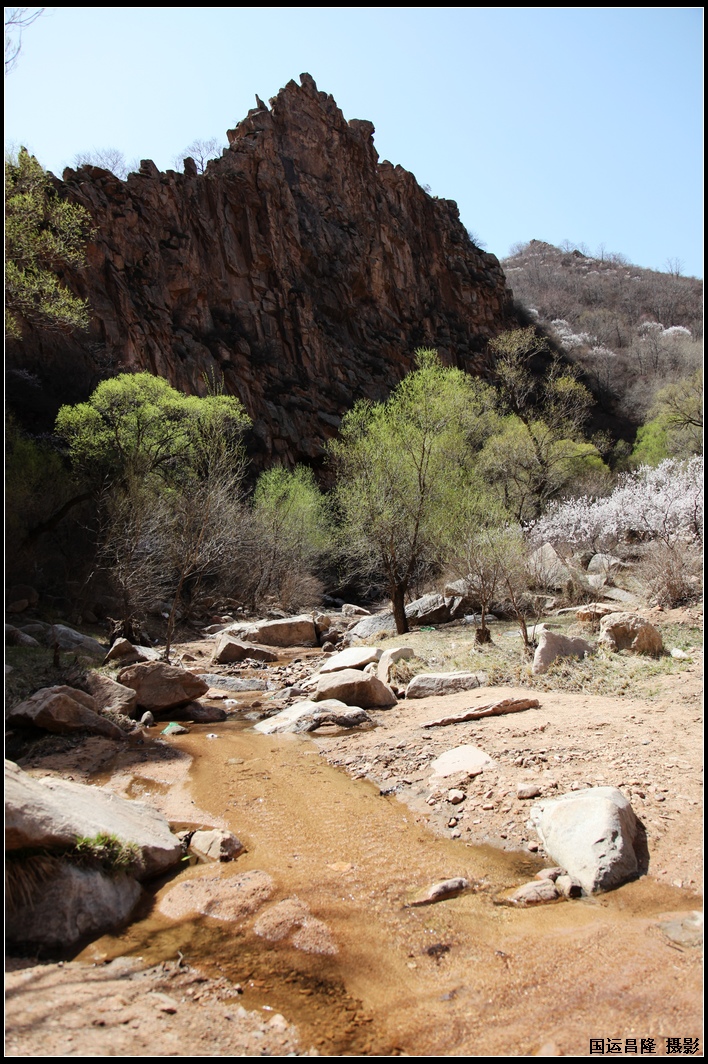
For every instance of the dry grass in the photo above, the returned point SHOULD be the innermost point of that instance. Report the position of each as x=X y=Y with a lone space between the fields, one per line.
x=452 y=648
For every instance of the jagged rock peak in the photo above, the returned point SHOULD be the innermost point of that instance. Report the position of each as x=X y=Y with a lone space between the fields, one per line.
x=298 y=268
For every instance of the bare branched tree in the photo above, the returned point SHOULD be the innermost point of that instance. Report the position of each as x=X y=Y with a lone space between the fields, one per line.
x=108 y=159
x=17 y=19
x=201 y=151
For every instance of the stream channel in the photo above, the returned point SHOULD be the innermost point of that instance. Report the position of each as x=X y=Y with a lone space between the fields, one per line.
x=465 y=976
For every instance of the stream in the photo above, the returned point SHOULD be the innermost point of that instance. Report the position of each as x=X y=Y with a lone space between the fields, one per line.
x=461 y=977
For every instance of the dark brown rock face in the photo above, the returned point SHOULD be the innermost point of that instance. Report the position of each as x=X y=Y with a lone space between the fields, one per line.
x=298 y=266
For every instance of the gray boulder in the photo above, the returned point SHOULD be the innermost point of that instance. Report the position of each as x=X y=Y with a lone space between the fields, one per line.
x=52 y=814
x=215 y=844
x=430 y=609
x=110 y=695
x=590 y=833
x=426 y=684
x=553 y=645
x=73 y=904
x=389 y=658
x=547 y=569
x=370 y=629
x=15 y=637
x=282 y=632
x=69 y=639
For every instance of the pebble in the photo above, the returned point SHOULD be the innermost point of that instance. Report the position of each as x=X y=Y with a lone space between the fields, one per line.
x=455 y=796
x=527 y=790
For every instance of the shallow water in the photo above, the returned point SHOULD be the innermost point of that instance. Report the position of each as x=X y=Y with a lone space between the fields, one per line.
x=464 y=976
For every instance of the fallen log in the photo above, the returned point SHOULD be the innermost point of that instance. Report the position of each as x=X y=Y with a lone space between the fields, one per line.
x=494 y=709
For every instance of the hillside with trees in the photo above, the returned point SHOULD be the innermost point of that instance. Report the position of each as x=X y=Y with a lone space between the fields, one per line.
x=637 y=335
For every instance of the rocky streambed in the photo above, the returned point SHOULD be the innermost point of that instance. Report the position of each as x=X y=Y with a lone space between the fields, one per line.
x=328 y=953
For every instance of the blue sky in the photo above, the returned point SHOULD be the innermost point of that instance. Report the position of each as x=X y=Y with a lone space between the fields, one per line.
x=580 y=124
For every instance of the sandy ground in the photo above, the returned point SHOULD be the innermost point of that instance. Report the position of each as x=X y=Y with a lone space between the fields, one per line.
x=651 y=749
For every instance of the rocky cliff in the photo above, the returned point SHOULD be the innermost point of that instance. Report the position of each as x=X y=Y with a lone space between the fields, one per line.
x=298 y=266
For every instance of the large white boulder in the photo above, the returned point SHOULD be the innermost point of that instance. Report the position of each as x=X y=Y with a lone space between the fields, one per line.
x=52 y=814
x=351 y=658
x=590 y=833
x=355 y=688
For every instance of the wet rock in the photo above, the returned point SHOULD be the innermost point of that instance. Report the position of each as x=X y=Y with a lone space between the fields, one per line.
x=426 y=684
x=591 y=834
x=447 y=888
x=568 y=887
x=293 y=919
x=230 y=898
x=684 y=929
x=552 y=645
x=159 y=686
x=537 y=892
x=73 y=904
x=175 y=729
x=62 y=710
x=629 y=631
x=215 y=844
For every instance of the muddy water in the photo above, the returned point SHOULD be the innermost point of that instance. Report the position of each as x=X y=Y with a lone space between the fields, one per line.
x=465 y=976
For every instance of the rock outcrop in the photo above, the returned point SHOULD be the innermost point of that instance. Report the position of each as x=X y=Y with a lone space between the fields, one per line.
x=298 y=266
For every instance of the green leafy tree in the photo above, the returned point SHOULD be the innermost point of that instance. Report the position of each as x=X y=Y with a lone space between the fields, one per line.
x=136 y=426
x=292 y=535
x=403 y=466
x=675 y=429
x=540 y=450
x=43 y=235
x=168 y=471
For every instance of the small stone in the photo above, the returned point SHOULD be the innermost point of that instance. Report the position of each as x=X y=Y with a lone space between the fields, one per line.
x=568 y=887
x=455 y=796
x=527 y=790
x=535 y=893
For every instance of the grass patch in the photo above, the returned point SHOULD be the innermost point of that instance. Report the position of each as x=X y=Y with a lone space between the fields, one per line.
x=452 y=648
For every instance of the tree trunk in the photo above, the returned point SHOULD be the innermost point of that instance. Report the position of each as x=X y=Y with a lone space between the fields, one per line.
x=399 y=609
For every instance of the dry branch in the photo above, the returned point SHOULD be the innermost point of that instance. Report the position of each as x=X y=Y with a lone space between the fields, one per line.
x=507 y=705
